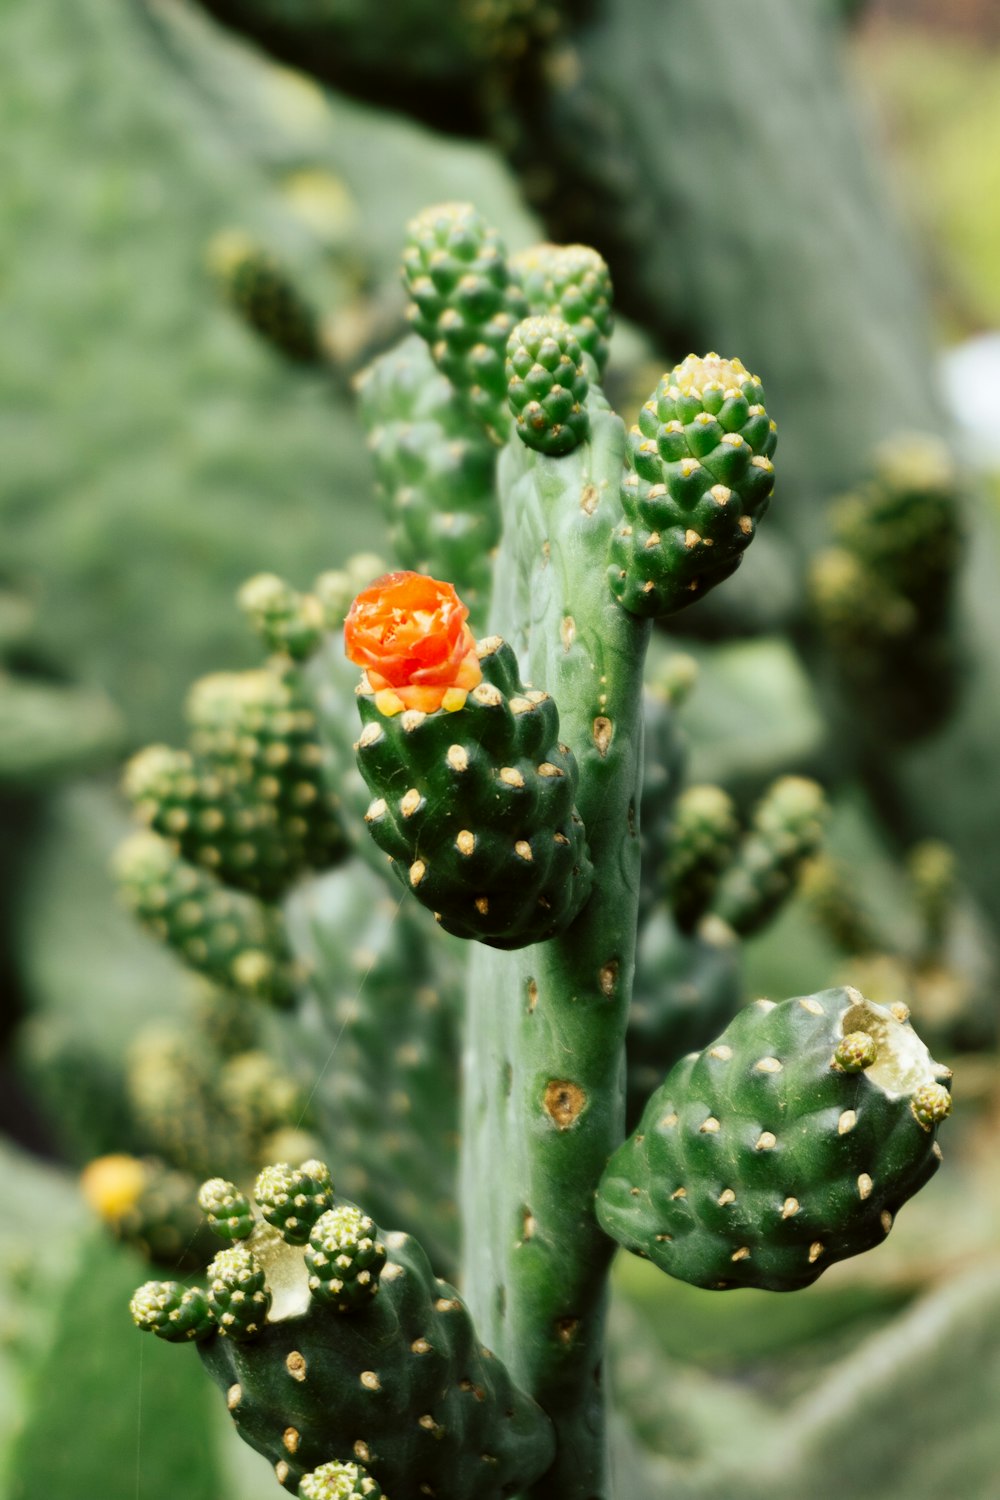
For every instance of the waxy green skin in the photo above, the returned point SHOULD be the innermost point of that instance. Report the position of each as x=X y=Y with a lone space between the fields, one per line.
x=402 y=1384
x=475 y=807
x=760 y=1162
x=546 y=1025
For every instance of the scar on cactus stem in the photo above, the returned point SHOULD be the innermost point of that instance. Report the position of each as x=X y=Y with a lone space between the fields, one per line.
x=409 y=632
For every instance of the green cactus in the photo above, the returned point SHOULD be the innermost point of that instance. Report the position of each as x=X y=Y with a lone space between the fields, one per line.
x=504 y=781
x=789 y=1143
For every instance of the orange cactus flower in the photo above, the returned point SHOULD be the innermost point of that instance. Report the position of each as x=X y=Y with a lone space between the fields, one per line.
x=409 y=632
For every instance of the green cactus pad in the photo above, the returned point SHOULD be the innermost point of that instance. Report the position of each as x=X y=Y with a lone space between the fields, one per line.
x=434 y=471
x=547 y=386
x=238 y=1295
x=230 y=936
x=703 y=835
x=786 y=830
x=344 y=1258
x=227 y=1210
x=571 y=282
x=293 y=1198
x=760 y=1161
x=337 y=1481
x=475 y=807
x=403 y=1385
x=264 y=295
x=464 y=304
x=173 y=1312
x=699 y=477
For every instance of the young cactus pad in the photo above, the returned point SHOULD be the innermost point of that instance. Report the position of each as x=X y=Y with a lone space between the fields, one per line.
x=310 y=1360
x=789 y=1143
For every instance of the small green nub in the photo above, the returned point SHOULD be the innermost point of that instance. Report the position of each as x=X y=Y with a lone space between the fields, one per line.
x=173 y=1312
x=293 y=1198
x=855 y=1052
x=344 y=1259
x=547 y=386
x=571 y=282
x=702 y=838
x=237 y=1293
x=285 y=619
x=337 y=1481
x=264 y=295
x=930 y=1105
x=227 y=1210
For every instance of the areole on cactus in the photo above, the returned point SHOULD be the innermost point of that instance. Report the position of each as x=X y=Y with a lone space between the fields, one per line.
x=500 y=782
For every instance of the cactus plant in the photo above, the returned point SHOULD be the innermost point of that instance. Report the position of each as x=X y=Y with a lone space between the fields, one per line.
x=501 y=786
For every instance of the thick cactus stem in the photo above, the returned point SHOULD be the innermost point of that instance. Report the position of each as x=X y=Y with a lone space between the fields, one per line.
x=546 y=1025
x=547 y=386
x=699 y=479
x=764 y=1159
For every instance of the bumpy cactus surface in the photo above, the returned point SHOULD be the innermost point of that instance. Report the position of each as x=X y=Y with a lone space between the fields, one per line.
x=500 y=780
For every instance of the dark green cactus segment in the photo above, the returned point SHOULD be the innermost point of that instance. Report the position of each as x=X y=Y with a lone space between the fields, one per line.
x=344 y=1259
x=434 y=471
x=261 y=290
x=883 y=595
x=337 y=1481
x=760 y=1161
x=257 y=730
x=464 y=303
x=786 y=831
x=238 y=1296
x=702 y=839
x=403 y=1384
x=476 y=808
x=571 y=282
x=688 y=986
x=173 y=1312
x=227 y=935
x=294 y=1198
x=699 y=477
x=227 y=1210
x=547 y=386
x=286 y=620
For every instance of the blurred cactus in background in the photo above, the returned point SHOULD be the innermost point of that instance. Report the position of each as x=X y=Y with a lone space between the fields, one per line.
x=475 y=916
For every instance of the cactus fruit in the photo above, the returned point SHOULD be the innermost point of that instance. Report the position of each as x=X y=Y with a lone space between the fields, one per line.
x=293 y=1199
x=237 y=1292
x=171 y=1311
x=699 y=479
x=788 y=1144
x=227 y=1210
